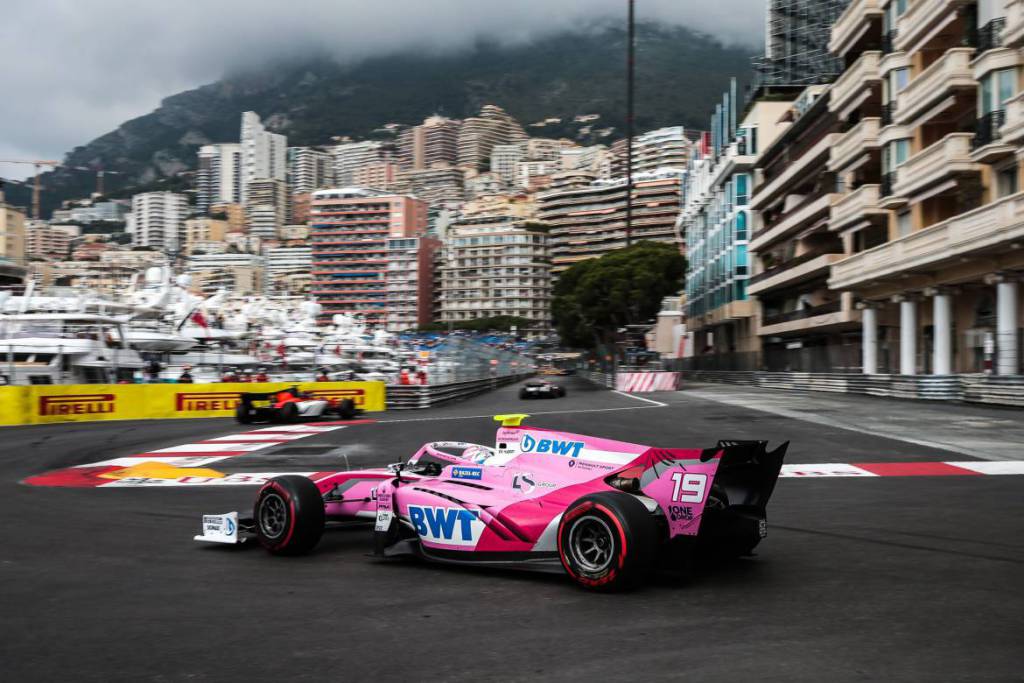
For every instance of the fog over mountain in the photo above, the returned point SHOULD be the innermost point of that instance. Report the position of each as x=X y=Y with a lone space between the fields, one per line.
x=74 y=70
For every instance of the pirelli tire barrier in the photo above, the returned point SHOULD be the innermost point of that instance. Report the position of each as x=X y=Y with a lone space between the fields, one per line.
x=412 y=397
x=1007 y=390
x=43 y=404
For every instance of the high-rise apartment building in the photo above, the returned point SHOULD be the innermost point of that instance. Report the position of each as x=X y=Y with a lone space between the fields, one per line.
x=439 y=186
x=434 y=142
x=716 y=223
x=45 y=240
x=350 y=157
x=159 y=220
x=796 y=43
x=505 y=162
x=495 y=265
x=928 y=168
x=309 y=169
x=378 y=175
x=479 y=134
x=349 y=230
x=664 y=147
x=589 y=219
x=219 y=176
x=267 y=208
x=264 y=154
x=12 y=234
x=410 y=282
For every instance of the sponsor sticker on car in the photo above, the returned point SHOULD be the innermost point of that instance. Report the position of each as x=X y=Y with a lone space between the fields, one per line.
x=467 y=473
x=530 y=444
x=451 y=526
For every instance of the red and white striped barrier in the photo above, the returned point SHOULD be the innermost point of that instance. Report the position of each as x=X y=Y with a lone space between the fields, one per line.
x=642 y=382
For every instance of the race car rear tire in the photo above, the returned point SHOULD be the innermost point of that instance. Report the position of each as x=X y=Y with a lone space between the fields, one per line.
x=346 y=409
x=289 y=515
x=243 y=415
x=607 y=541
x=523 y=394
x=288 y=413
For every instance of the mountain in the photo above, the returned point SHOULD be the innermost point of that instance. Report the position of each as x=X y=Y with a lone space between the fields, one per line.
x=680 y=75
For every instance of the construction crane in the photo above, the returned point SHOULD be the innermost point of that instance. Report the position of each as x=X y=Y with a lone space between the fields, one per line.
x=36 y=186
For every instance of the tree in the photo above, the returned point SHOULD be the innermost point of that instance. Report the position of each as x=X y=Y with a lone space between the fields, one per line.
x=595 y=298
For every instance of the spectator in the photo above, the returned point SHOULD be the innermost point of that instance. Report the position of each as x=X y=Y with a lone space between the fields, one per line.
x=322 y=376
x=186 y=376
x=261 y=376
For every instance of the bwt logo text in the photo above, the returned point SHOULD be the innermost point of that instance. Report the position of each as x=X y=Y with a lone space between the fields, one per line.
x=195 y=401
x=76 y=404
x=530 y=444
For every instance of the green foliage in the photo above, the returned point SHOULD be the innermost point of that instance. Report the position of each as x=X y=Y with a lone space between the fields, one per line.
x=594 y=299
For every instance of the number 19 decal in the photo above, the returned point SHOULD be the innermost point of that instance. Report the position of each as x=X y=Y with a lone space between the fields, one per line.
x=688 y=488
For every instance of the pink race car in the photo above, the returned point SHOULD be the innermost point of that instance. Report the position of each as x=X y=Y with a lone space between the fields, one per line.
x=606 y=512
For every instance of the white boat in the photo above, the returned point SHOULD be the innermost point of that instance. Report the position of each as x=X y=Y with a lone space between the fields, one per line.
x=65 y=348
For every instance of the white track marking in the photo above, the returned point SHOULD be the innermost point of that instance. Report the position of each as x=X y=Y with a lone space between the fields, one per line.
x=220 y=447
x=177 y=461
x=280 y=438
x=236 y=479
x=824 y=470
x=639 y=398
x=992 y=466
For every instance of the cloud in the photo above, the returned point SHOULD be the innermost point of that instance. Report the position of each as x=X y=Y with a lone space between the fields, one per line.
x=75 y=69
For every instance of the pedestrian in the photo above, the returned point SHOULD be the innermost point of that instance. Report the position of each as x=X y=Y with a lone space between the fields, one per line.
x=186 y=376
x=153 y=371
x=261 y=376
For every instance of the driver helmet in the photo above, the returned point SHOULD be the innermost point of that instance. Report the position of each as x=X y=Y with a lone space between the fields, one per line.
x=478 y=455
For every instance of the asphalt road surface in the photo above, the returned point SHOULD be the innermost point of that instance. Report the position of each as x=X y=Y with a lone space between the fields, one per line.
x=882 y=578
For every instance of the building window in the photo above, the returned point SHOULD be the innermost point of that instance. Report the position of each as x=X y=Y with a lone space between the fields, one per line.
x=903 y=223
x=1006 y=180
x=996 y=88
x=896 y=152
x=741 y=182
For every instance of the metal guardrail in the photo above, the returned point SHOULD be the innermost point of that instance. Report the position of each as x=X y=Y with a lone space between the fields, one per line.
x=1006 y=390
x=413 y=397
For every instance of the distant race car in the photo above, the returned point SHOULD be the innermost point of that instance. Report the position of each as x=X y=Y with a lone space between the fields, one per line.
x=604 y=512
x=540 y=388
x=291 y=405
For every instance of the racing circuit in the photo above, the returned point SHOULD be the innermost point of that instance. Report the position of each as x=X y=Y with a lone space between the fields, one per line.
x=888 y=557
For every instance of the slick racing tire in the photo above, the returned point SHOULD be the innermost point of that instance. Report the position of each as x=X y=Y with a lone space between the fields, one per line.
x=347 y=409
x=561 y=392
x=289 y=515
x=288 y=413
x=607 y=541
x=523 y=394
x=243 y=415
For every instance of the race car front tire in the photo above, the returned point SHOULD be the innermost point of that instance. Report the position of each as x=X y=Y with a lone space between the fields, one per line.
x=289 y=515
x=607 y=541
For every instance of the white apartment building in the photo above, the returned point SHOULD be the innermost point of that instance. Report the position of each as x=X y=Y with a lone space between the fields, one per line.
x=282 y=260
x=158 y=220
x=505 y=162
x=664 y=147
x=309 y=169
x=264 y=154
x=267 y=210
x=349 y=157
x=409 y=281
x=219 y=177
x=493 y=266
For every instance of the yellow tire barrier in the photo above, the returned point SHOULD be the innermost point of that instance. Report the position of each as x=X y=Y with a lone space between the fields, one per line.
x=44 y=404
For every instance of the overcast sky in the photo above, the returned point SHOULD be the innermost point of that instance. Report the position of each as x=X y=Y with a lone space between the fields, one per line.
x=71 y=70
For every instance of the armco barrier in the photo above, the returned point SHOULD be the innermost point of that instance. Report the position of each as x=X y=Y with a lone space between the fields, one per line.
x=403 y=397
x=42 y=404
x=991 y=389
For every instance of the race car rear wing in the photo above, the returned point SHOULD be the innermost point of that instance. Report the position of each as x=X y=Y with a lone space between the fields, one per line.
x=748 y=471
x=248 y=397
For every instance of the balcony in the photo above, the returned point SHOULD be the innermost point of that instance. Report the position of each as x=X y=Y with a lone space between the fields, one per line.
x=857 y=207
x=1012 y=130
x=853 y=24
x=988 y=146
x=815 y=318
x=949 y=74
x=854 y=144
x=983 y=232
x=923 y=19
x=944 y=160
x=797 y=218
x=1013 y=32
x=764 y=194
x=855 y=83
x=793 y=271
